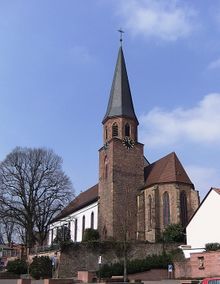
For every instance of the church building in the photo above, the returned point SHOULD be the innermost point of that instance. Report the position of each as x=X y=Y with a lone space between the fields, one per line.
x=133 y=199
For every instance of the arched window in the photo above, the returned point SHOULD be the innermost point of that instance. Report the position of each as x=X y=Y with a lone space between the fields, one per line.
x=183 y=208
x=166 y=209
x=83 y=224
x=92 y=220
x=75 y=230
x=150 y=211
x=127 y=130
x=51 y=236
x=106 y=168
x=114 y=129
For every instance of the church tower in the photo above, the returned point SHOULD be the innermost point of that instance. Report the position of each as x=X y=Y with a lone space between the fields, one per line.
x=121 y=161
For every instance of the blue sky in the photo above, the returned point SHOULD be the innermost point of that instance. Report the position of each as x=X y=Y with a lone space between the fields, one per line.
x=57 y=60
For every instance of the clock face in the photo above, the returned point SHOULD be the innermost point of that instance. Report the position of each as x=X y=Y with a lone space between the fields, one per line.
x=128 y=142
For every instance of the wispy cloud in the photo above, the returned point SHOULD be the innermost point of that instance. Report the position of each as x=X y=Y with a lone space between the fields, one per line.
x=199 y=124
x=214 y=64
x=167 y=20
x=204 y=178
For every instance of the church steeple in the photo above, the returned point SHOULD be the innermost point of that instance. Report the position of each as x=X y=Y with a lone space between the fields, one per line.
x=121 y=160
x=120 y=102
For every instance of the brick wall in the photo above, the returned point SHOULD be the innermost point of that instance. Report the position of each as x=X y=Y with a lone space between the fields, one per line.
x=200 y=265
x=83 y=258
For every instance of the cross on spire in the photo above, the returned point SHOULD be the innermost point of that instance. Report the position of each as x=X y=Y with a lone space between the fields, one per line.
x=121 y=33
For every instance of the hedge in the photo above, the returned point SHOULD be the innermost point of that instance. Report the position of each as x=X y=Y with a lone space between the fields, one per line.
x=135 y=266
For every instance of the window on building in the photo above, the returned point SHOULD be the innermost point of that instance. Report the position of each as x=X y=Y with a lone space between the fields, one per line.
x=83 y=224
x=150 y=211
x=114 y=129
x=106 y=167
x=92 y=220
x=166 y=209
x=201 y=262
x=51 y=236
x=183 y=209
x=127 y=130
x=106 y=133
x=75 y=230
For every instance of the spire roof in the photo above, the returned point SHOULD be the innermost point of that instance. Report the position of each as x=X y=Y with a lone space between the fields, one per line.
x=120 y=101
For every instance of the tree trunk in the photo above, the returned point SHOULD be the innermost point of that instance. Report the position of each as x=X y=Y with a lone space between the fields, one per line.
x=125 y=262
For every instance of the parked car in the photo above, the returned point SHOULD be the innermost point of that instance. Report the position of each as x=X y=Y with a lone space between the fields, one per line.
x=214 y=280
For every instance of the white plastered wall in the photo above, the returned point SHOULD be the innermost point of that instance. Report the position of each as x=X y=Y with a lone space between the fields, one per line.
x=78 y=215
x=204 y=227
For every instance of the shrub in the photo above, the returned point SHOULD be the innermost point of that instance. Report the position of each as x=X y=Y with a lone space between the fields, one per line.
x=90 y=235
x=41 y=267
x=177 y=255
x=135 y=266
x=17 y=266
x=212 y=246
x=173 y=233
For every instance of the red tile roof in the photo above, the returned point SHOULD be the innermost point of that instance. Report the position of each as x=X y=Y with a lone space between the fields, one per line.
x=216 y=190
x=83 y=199
x=167 y=169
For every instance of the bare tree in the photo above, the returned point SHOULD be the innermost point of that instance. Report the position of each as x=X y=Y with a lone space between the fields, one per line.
x=126 y=215
x=7 y=229
x=33 y=189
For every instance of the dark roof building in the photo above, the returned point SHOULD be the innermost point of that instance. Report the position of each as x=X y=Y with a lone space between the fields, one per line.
x=153 y=195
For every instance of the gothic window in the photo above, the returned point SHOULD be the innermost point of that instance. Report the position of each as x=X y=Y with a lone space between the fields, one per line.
x=75 y=229
x=83 y=224
x=127 y=130
x=106 y=168
x=114 y=129
x=166 y=209
x=51 y=236
x=183 y=208
x=92 y=220
x=150 y=211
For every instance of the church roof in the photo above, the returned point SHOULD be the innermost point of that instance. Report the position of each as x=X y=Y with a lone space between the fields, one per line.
x=167 y=169
x=120 y=101
x=83 y=199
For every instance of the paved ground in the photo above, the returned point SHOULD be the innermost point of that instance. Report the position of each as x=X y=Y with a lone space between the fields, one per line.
x=14 y=281
x=165 y=281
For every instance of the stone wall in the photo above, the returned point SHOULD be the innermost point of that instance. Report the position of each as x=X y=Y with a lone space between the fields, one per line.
x=200 y=265
x=82 y=257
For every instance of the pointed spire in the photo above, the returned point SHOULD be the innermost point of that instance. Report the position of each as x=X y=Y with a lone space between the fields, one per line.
x=120 y=101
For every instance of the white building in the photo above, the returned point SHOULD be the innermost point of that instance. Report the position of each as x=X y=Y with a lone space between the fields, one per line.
x=80 y=214
x=204 y=226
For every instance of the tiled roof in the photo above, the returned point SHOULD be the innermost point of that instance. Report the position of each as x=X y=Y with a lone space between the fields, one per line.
x=167 y=169
x=216 y=190
x=83 y=199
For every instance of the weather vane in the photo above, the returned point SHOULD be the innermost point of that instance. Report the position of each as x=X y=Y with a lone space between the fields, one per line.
x=121 y=33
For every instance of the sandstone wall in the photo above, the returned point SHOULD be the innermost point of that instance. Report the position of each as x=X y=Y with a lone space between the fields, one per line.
x=82 y=257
